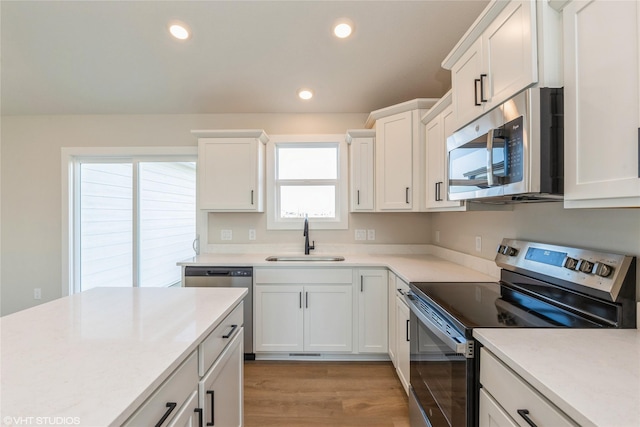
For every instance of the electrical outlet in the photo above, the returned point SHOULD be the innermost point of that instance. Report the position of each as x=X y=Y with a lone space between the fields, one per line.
x=226 y=235
x=37 y=293
x=361 y=234
x=437 y=236
x=252 y=234
x=371 y=234
x=478 y=244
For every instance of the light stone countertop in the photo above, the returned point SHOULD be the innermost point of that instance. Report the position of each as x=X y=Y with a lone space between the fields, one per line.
x=591 y=375
x=409 y=267
x=92 y=358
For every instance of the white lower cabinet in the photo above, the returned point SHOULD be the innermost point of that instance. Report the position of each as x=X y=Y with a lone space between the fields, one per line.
x=303 y=310
x=181 y=400
x=391 y=299
x=309 y=318
x=518 y=403
x=402 y=342
x=372 y=289
x=491 y=414
x=190 y=415
x=220 y=390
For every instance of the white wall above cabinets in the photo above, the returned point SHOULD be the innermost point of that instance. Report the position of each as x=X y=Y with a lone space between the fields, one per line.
x=361 y=163
x=602 y=113
x=510 y=47
x=439 y=124
x=399 y=156
x=231 y=170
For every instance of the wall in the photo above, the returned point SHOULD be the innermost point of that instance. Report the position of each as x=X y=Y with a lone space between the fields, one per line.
x=616 y=230
x=30 y=196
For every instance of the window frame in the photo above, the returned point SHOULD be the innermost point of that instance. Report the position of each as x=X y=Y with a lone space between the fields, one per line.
x=274 y=221
x=70 y=168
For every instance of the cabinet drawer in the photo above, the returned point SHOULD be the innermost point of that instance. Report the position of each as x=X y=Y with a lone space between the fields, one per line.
x=175 y=390
x=303 y=276
x=514 y=394
x=212 y=346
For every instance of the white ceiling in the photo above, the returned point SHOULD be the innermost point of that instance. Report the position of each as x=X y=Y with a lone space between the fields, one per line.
x=116 y=57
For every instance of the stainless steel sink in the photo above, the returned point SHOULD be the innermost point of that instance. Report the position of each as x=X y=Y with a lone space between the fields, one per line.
x=305 y=258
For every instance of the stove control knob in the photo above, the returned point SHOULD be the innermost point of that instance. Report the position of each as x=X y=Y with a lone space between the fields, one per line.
x=585 y=266
x=603 y=270
x=509 y=251
x=570 y=263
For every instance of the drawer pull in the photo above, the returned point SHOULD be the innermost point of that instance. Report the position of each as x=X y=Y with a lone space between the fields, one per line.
x=171 y=406
x=524 y=413
x=213 y=408
x=233 y=328
x=199 y=411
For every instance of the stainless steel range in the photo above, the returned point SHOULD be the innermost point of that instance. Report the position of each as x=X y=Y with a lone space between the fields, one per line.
x=541 y=286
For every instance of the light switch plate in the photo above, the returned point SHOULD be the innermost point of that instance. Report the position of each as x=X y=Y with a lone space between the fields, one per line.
x=361 y=234
x=371 y=234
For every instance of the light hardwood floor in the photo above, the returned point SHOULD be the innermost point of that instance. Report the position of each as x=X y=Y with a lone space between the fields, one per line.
x=337 y=394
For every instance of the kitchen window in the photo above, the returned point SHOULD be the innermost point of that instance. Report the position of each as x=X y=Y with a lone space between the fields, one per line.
x=306 y=177
x=131 y=219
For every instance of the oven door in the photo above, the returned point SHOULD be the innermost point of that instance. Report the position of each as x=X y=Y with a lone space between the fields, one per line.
x=441 y=376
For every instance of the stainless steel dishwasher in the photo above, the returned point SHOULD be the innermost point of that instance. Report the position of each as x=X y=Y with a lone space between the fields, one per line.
x=228 y=277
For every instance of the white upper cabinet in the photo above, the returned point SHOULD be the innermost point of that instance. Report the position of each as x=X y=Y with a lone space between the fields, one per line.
x=501 y=55
x=231 y=170
x=439 y=125
x=361 y=165
x=602 y=114
x=394 y=184
x=509 y=53
x=399 y=156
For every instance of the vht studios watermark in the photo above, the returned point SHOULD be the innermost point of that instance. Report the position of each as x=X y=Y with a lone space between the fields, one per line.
x=40 y=421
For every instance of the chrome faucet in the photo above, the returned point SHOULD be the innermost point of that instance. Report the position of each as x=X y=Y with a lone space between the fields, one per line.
x=307 y=248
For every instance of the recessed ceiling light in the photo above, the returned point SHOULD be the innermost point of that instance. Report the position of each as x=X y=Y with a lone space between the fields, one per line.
x=343 y=28
x=305 y=94
x=179 y=31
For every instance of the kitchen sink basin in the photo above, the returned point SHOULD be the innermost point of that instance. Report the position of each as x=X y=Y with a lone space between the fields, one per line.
x=305 y=258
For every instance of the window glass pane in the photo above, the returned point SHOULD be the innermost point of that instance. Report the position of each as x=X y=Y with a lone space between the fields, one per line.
x=316 y=201
x=167 y=220
x=106 y=224
x=308 y=162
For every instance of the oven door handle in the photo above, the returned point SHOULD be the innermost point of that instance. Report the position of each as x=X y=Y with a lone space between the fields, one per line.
x=460 y=346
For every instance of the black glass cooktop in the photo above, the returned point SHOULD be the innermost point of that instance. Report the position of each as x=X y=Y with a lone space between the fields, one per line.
x=488 y=305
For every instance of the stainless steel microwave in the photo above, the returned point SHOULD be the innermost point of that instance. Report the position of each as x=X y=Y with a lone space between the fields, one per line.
x=512 y=153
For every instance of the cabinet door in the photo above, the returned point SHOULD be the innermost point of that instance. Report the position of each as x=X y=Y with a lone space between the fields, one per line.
x=328 y=324
x=372 y=311
x=437 y=132
x=228 y=174
x=221 y=389
x=402 y=337
x=362 y=174
x=601 y=92
x=278 y=317
x=509 y=53
x=391 y=300
x=465 y=81
x=491 y=414
x=394 y=162
x=190 y=414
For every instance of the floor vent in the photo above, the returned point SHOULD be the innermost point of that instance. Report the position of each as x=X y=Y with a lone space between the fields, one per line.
x=305 y=355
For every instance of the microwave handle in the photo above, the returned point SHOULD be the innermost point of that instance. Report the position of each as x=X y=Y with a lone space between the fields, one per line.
x=490 y=158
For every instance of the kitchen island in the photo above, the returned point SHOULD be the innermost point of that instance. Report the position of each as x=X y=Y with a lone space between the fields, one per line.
x=592 y=376
x=95 y=357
